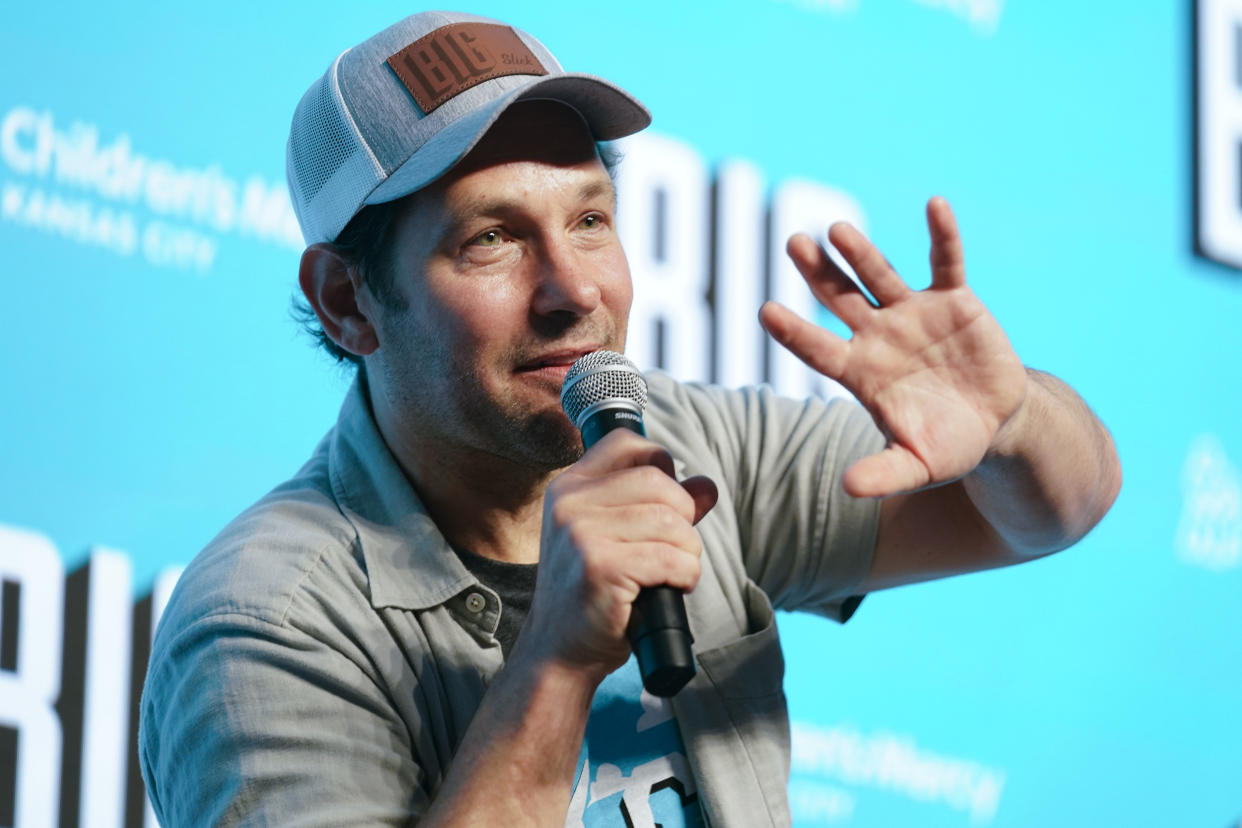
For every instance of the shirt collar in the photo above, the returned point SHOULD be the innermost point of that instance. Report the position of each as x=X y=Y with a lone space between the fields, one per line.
x=409 y=563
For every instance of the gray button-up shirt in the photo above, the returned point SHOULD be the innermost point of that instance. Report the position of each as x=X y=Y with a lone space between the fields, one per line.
x=321 y=659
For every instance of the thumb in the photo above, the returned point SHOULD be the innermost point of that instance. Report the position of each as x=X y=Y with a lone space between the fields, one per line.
x=703 y=490
x=895 y=469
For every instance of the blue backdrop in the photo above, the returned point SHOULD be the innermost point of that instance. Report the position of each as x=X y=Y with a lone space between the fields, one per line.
x=155 y=385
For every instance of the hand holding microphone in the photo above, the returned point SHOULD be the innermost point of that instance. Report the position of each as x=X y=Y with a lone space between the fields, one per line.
x=604 y=392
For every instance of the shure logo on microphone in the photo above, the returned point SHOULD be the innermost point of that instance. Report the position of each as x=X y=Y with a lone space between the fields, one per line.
x=628 y=415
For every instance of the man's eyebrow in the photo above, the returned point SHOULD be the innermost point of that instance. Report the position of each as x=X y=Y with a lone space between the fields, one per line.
x=499 y=206
x=595 y=189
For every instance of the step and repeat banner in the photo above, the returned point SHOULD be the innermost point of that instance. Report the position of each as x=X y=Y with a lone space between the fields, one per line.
x=155 y=383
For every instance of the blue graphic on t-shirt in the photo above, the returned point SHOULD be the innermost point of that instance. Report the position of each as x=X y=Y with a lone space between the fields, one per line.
x=633 y=771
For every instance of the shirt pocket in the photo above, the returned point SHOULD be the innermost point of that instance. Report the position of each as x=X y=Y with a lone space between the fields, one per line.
x=748 y=675
x=751 y=666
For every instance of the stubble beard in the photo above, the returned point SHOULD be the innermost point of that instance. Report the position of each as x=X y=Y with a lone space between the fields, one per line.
x=459 y=413
x=542 y=439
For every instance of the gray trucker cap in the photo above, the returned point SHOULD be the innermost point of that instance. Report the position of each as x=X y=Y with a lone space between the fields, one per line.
x=397 y=111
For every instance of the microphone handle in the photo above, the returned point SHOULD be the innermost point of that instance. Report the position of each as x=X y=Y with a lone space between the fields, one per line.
x=659 y=630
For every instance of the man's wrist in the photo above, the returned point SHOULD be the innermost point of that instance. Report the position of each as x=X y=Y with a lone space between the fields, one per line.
x=545 y=669
x=1014 y=430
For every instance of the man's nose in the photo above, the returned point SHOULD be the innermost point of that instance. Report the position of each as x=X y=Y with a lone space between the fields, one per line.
x=568 y=282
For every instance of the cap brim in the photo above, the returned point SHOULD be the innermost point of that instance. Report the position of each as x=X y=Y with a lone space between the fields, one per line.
x=609 y=111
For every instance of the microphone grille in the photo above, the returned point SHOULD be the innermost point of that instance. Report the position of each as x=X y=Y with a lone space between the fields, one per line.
x=598 y=377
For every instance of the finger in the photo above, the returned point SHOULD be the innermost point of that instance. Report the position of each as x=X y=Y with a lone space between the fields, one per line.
x=822 y=350
x=703 y=492
x=655 y=564
x=637 y=486
x=623 y=449
x=832 y=287
x=948 y=264
x=649 y=522
x=873 y=270
x=893 y=470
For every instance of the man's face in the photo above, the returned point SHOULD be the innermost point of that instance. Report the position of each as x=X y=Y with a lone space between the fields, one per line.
x=509 y=269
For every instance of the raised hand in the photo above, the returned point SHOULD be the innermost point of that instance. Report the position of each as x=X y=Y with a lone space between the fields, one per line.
x=933 y=366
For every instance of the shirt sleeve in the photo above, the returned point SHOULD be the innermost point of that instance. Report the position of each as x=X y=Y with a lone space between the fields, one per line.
x=245 y=721
x=779 y=462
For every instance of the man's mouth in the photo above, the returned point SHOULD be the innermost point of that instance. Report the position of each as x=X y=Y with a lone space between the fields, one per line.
x=555 y=361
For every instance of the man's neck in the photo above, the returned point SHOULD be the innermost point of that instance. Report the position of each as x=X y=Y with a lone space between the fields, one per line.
x=481 y=503
x=489 y=505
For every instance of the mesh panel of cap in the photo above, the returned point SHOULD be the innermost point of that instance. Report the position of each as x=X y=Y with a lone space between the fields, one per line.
x=315 y=162
x=324 y=145
x=601 y=376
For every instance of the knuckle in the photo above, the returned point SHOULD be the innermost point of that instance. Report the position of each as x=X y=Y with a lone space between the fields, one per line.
x=683 y=569
x=693 y=544
x=653 y=477
x=663 y=515
x=684 y=502
x=676 y=559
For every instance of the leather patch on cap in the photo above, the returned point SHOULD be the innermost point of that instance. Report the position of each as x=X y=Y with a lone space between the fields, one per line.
x=453 y=58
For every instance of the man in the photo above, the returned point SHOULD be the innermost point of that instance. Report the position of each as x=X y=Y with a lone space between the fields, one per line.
x=372 y=643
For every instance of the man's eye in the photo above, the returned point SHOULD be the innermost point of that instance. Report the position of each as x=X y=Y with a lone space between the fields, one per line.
x=488 y=238
x=592 y=221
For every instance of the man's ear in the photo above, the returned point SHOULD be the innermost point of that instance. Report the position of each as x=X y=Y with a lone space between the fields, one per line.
x=332 y=288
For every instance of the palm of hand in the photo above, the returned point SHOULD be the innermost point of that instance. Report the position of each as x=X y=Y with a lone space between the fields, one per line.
x=933 y=367
x=937 y=373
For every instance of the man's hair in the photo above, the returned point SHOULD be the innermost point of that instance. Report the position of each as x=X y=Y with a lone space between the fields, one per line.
x=366 y=245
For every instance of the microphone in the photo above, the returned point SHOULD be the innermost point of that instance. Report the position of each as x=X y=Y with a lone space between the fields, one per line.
x=605 y=391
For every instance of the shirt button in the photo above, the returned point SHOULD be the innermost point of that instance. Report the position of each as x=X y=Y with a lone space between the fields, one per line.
x=475 y=602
